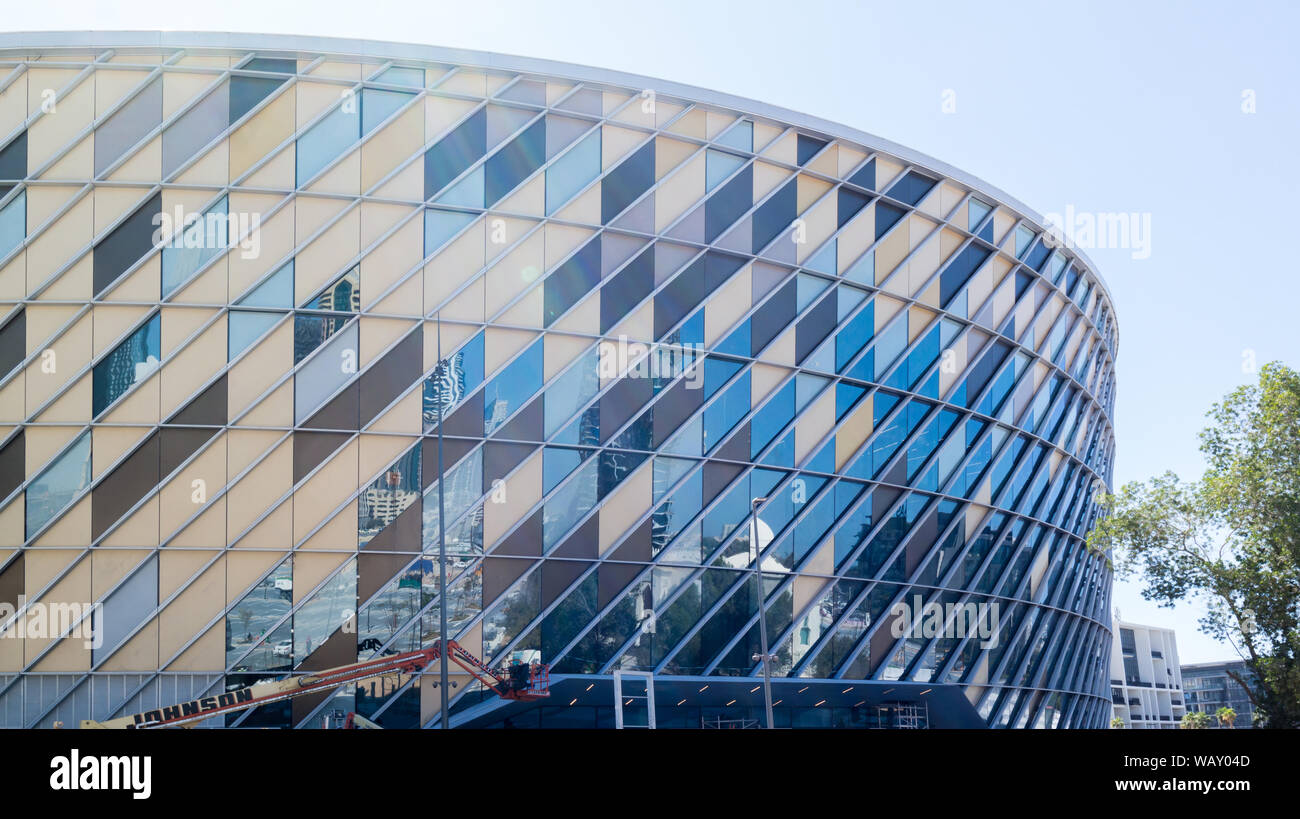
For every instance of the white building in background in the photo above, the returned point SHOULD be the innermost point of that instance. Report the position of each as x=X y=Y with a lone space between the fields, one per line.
x=1145 y=681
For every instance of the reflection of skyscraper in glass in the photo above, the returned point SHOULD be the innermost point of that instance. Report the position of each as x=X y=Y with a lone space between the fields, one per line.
x=447 y=386
x=389 y=495
x=121 y=365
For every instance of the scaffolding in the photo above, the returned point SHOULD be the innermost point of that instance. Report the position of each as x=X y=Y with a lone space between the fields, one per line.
x=720 y=723
x=903 y=715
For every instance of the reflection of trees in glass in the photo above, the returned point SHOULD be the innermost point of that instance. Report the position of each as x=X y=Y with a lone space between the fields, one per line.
x=516 y=609
x=565 y=620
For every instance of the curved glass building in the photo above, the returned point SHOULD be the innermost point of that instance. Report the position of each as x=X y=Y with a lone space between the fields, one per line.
x=230 y=266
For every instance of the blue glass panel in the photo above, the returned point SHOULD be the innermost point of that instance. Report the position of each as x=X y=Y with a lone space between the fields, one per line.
x=401 y=75
x=813 y=526
x=865 y=368
x=806 y=147
x=824 y=459
x=631 y=178
x=723 y=414
x=467 y=193
x=847 y=204
x=824 y=260
x=687 y=441
x=775 y=215
x=807 y=387
x=1024 y=237
x=246 y=93
x=716 y=373
x=512 y=388
x=455 y=153
x=886 y=217
x=441 y=225
x=275 y=291
x=310 y=331
x=854 y=335
x=670 y=518
x=342 y=295
x=462 y=488
x=515 y=162
x=572 y=172
x=13 y=224
x=823 y=358
x=866 y=176
x=912 y=188
x=781 y=453
x=377 y=106
x=723 y=208
x=892 y=342
x=54 y=489
x=772 y=418
x=864 y=269
x=808 y=288
x=847 y=298
x=718 y=165
x=327 y=140
x=247 y=326
x=557 y=464
x=667 y=471
x=461 y=375
x=569 y=283
x=740 y=136
x=690 y=332
x=570 y=391
x=737 y=342
x=131 y=362
x=195 y=246
x=569 y=504
x=846 y=397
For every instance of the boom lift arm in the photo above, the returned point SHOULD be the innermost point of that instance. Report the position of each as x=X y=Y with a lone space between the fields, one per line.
x=519 y=682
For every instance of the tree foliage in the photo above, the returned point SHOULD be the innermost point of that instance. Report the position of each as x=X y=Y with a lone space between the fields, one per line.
x=1195 y=719
x=1226 y=715
x=1231 y=538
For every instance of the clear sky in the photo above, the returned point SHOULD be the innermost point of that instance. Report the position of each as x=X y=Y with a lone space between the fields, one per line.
x=1103 y=107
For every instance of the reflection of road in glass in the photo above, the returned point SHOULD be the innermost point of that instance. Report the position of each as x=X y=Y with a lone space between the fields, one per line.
x=248 y=622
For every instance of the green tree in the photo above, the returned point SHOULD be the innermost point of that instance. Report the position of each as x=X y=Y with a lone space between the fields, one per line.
x=1231 y=538
x=1226 y=716
x=1118 y=722
x=1195 y=719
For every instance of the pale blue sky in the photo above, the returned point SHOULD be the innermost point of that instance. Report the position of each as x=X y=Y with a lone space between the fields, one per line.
x=1104 y=106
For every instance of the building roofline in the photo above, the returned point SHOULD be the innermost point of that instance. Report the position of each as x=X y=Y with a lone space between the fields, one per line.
x=28 y=42
x=1212 y=664
x=1126 y=624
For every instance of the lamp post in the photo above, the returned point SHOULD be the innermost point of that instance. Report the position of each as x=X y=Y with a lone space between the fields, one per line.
x=764 y=656
x=441 y=373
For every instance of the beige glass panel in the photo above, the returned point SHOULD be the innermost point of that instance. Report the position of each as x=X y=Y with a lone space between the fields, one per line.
x=622 y=508
x=521 y=492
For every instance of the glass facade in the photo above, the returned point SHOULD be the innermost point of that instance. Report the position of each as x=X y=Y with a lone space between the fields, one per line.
x=616 y=312
x=1208 y=687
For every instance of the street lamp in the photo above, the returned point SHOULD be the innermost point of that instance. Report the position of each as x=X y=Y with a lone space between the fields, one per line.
x=440 y=374
x=763 y=656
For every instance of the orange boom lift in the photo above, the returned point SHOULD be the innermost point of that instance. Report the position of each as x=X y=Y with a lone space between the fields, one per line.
x=519 y=681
